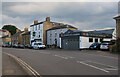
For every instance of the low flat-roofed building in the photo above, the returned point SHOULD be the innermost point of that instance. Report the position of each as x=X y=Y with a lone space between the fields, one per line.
x=75 y=39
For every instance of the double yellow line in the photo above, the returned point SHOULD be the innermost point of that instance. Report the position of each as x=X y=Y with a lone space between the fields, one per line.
x=24 y=65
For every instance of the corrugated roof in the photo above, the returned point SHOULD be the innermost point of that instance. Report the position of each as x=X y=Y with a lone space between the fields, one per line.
x=108 y=31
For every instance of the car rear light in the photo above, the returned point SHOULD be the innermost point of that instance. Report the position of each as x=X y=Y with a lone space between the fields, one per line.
x=108 y=46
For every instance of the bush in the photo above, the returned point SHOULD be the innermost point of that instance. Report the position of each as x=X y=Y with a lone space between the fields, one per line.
x=113 y=48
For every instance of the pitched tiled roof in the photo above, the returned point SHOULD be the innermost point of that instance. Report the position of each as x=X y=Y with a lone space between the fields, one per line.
x=18 y=33
x=117 y=16
x=37 y=23
x=62 y=26
x=26 y=33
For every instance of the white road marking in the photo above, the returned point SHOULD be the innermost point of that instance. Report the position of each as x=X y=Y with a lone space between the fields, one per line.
x=110 y=69
x=102 y=64
x=93 y=66
x=65 y=56
x=61 y=57
x=44 y=52
x=102 y=56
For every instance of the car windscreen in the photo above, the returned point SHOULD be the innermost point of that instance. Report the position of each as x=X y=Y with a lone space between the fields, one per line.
x=35 y=44
x=40 y=43
x=94 y=44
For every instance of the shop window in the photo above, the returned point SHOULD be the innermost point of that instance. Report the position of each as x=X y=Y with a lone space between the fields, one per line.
x=96 y=40
x=90 y=39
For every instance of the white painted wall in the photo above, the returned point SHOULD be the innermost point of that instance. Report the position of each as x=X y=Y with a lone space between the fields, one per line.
x=84 y=42
x=114 y=35
x=60 y=42
x=37 y=31
x=52 y=37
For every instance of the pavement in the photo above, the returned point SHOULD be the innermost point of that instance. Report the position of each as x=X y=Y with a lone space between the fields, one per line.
x=65 y=62
x=11 y=67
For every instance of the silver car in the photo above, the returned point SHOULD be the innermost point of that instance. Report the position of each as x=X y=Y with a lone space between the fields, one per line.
x=38 y=46
x=105 y=46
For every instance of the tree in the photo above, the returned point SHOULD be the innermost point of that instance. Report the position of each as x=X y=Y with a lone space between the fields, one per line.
x=10 y=28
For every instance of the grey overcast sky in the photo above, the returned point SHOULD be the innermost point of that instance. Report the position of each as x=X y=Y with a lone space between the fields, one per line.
x=83 y=15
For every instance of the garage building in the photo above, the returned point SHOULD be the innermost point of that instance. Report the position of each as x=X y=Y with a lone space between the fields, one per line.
x=75 y=39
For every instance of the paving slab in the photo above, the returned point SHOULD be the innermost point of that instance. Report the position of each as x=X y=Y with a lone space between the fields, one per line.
x=11 y=67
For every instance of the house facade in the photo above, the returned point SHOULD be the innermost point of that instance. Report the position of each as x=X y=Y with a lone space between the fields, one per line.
x=5 y=36
x=53 y=34
x=74 y=39
x=17 y=37
x=38 y=30
x=26 y=38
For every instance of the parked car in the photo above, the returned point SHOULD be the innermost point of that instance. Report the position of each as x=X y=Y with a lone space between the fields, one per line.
x=4 y=45
x=95 y=46
x=28 y=46
x=15 y=45
x=21 y=46
x=9 y=46
x=105 y=46
x=36 y=45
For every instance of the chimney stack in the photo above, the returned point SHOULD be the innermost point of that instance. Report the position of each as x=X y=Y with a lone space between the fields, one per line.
x=48 y=19
x=26 y=29
x=36 y=21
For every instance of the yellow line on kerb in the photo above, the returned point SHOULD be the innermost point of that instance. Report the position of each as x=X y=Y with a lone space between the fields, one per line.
x=35 y=73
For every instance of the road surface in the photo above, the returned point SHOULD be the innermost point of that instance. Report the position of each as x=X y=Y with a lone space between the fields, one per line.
x=68 y=62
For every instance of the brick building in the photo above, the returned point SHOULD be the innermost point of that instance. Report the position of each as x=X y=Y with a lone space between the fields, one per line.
x=26 y=38
x=17 y=38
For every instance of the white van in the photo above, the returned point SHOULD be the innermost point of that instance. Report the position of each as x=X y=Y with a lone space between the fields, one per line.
x=38 y=45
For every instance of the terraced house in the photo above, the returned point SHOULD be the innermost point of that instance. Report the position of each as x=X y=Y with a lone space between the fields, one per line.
x=38 y=30
x=53 y=37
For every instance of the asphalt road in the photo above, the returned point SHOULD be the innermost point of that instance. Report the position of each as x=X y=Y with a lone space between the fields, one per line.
x=68 y=62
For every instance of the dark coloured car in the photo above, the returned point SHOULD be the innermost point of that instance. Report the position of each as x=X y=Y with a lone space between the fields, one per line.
x=95 y=46
x=21 y=46
x=9 y=46
x=4 y=45
x=28 y=46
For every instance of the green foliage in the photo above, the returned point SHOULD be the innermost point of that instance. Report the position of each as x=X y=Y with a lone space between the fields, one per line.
x=10 y=28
